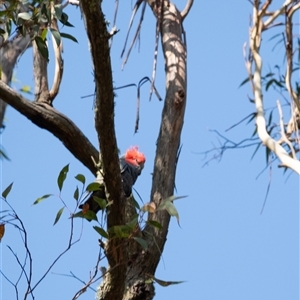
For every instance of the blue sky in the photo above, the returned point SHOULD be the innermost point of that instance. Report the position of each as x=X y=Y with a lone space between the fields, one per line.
x=225 y=249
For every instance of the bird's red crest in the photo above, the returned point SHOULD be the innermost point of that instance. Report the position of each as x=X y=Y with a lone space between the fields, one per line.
x=134 y=155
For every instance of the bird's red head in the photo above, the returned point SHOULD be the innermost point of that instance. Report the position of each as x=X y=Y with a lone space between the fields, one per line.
x=134 y=157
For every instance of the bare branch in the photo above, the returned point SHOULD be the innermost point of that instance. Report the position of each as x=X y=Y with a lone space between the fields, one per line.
x=40 y=76
x=104 y=122
x=59 y=65
x=267 y=140
x=277 y=13
x=46 y=117
x=171 y=124
x=72 y=2
x=289 y=56
x=187 y=8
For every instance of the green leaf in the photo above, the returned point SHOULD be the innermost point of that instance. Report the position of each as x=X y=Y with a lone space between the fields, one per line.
x=155 y=224
x=40 y=199
x=270 y=118
x=168 y=205
x=58 y=215
x=24 y=16
x=171 y=209
x=68 y=36
x=142 y=242
x=88 y=215
x=165 y=202
x=101 y=202
x=80 y=178
x=253 y=115
x=26 y=89
x=62 y=176
x=254 y=132
x=269 y=83
x=42 y=46
x=244 y=81
x=119 y=231
x=7 y=190
x=94 y=186
x=76 y=194
x=58 y=10
x=44 y=34
x=255 y=150
x=268 y=152
x=3 y=154
x=64 y=20
x=134 y=202
x=56 y=36
x=162 y=282
x=101 y=231
x=131 y=225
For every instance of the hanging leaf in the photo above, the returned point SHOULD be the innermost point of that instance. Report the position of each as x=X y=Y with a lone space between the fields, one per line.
x=68 y=36
x=40 y=199
x=42 y=46
x=2 y=230
x=142 y=242
x=94 y=186
x=162 y=282
x=64 y=20
x=76 y=194
x=168 y=205
x=56 y=36
x=80 y=178
x=270 y=118
x=100 y=201
x=86 y=214
x=58 y=10
x=44 y=34
x=131 y=225
x=155 y=224
x=62 y=176
x=101 y=231
x=244 y=81
x=268 y=152
x=7 y=191
x=58 y=215
x=255 y=151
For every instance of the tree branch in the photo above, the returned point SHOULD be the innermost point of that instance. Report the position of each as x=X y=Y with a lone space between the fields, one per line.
x=59 y=64
x=267 y=140
x=187 y=8
x=46 y=117
x=98 y=35
x=171 y=124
